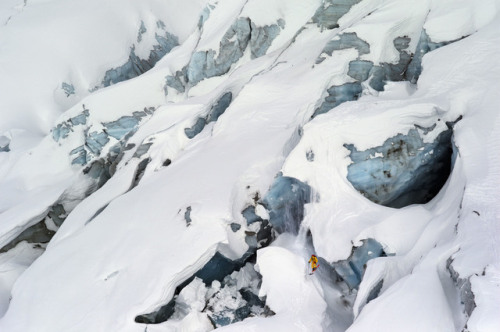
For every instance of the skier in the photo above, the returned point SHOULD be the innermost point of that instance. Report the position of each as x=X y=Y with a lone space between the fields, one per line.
x=314 y=263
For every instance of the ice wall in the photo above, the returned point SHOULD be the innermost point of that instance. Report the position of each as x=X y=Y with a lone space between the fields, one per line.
x=404 y=170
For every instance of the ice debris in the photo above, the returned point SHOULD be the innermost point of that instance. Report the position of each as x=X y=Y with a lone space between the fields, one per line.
x=69 y=89
x=227 y=301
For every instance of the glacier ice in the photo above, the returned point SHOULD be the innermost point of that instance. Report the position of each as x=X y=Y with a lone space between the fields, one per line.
x=209 y=63
x=108 y=161
x=142 y=30
x=404 y=170
x=351 y=270
x=262 y=37
x=69 y=89
x=235 y=227
x=38 y=233
x=41 y=232
x=136 y=66
x=4 y=144
x=339 y=94
x=363 y=70
x=424 y=46
x=142 y=150
x=175 y=82
x=344 y=41
x=187 y=215
x=285 y=203
x=95 y=141
x=219 y=107
x=120 y=129
x=205 y=64
x=126 y=124
x=215 y=111
x=464 y=288
x=196 y=128
x=329 y=13
x=61 y=131
x=57 y=214
x=229 y=297
x=264 y=234
x=139 y=172
x=81 y=158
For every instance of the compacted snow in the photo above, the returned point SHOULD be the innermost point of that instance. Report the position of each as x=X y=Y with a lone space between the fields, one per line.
x=171 y=166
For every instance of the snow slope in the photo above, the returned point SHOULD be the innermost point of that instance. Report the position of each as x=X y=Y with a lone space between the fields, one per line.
x=139 y=143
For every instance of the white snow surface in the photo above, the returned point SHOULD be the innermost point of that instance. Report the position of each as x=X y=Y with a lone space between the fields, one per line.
x=125 y=247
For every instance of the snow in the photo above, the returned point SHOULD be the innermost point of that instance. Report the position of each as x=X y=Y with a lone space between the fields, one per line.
x=126 y=246
x=13 y=263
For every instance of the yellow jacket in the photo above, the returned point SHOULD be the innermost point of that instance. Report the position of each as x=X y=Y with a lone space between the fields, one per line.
x=314 y=261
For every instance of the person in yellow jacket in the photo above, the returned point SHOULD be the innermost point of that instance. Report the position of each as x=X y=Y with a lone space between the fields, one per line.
x=314 y=263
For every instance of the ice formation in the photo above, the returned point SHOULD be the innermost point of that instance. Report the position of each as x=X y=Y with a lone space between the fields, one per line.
x=171 y=166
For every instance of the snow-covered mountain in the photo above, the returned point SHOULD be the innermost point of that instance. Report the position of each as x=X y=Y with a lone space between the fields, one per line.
x=172 y=165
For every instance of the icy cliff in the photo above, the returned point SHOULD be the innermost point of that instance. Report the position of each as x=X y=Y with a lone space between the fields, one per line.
x=171 y=166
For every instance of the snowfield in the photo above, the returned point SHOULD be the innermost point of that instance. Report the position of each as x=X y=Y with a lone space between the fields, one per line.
x=171 y=166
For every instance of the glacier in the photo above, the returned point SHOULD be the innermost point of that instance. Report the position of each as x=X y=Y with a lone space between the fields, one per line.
x=171 y=166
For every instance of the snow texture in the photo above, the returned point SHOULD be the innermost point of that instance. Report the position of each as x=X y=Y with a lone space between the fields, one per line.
x=173 y=165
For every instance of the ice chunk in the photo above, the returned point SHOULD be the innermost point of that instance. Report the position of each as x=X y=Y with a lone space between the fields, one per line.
x=62 y=130
x=81 y=159
x=95 y=141
x=235 y=227
x=285 y=202
x=69 y=89
x=57 y=214
x=351 y=270
x=250 y=215
x=217 y=268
